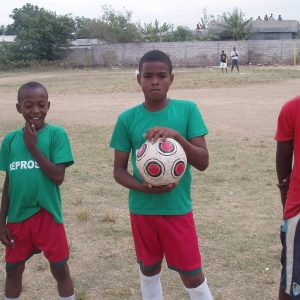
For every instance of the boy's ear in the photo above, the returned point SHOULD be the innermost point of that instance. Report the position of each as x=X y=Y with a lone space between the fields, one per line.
x=172 y=77
x=48 y=105
x=138 y=78
x=18 y=107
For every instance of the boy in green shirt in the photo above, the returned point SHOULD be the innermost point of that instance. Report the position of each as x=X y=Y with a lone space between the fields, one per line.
x=161 y=217
x=34 y=159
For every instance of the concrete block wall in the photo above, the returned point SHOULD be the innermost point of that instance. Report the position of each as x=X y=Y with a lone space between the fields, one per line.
x=189 y=54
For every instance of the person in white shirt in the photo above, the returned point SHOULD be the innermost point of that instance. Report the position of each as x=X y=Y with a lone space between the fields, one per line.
x=235 y=59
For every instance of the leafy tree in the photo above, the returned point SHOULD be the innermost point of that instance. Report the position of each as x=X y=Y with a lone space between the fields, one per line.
x=153 y=32
x=9 y=30
x=181 y=34
x=236 y=25
x=91 y=28
x=40 y=34
x=205 y=19
x=120 y=27
x=2 y=30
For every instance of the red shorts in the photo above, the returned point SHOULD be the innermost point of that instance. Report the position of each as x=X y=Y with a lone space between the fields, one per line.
x=174 y=237
x=35 y=234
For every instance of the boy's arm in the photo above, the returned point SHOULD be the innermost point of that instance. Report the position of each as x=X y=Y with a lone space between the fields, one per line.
x=123 y=177
x=5 y=236
x=195 y=149
x=284 y=160
x=55 y=173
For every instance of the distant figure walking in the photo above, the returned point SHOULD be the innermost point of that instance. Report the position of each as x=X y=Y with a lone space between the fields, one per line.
x=280 y=18
x=259 y=18
x=223 y=62
x=234 y=59
x=266 y=18
x=271 y=18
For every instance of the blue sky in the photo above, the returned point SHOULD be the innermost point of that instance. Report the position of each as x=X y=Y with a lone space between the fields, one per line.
x=170 y=11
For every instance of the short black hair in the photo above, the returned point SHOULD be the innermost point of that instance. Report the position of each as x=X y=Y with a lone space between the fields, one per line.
x=156 y=56
x=33 y=85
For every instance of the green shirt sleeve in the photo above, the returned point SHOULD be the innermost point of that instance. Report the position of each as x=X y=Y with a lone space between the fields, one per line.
x=61 y=149
x=196 y=126
x=4 y=154
x=120 y=137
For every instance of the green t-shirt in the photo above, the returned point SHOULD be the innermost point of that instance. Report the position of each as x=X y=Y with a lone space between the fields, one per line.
x=180 y=115
x=29 y=188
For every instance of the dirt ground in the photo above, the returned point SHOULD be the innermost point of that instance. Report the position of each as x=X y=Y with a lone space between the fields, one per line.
x=241 y=122
x=244 y=110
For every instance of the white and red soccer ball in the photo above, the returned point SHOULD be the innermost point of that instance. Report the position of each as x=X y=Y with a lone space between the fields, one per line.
x=161 y=163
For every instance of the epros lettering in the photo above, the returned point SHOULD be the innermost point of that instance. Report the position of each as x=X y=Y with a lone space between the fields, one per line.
x=23 y=165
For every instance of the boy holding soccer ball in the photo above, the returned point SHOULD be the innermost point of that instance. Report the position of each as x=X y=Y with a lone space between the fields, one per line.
x=161 y=217
x=34 y=159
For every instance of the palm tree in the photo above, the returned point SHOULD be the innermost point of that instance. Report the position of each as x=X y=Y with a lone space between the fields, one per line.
x=235 y=24
x=205 y=19
x=154 y=31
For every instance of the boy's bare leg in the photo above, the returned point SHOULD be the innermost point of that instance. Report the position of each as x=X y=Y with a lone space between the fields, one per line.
x=64 y=280
x=194 y=281
x=153 y=271
x=196 y=286
x=13 y=283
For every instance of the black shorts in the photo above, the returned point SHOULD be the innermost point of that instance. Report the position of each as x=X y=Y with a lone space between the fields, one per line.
x=235 y=62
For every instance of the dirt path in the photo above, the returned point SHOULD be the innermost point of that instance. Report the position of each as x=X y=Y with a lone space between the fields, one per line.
x=245 y=110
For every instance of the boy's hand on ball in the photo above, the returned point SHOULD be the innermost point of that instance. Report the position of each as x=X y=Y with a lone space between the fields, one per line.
x=160 y=164
x=155 y=133
x=150 y=189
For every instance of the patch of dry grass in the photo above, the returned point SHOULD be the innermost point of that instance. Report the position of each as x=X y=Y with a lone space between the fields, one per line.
x=97 y=81
x=110 y=217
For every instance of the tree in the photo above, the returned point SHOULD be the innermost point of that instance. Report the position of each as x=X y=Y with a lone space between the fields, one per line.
x=205 y=19
x=91 y=28
x=235 y=24
x=153 y=32
x=112 y=26
x=2 y=30
x=9 y=30
x=40 y=34
x=182 y=34
x=120 y=27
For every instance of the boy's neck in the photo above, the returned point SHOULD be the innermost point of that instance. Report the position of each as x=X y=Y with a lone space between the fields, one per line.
x=156 y=105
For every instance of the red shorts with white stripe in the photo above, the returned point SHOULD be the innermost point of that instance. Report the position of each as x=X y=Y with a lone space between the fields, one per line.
x=39 y=233
x=172 y=237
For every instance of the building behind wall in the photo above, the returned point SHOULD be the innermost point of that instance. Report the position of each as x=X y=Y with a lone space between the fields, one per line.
x=261 y=30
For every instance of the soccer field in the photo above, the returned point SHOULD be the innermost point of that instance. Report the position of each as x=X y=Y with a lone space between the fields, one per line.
x=236 y=203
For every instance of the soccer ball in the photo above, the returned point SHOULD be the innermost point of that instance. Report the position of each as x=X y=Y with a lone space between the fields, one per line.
x=161 y=163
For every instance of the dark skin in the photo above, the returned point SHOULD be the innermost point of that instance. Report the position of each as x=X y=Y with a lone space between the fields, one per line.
x=34 y=106
x=155 y=79
x=284 y=161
